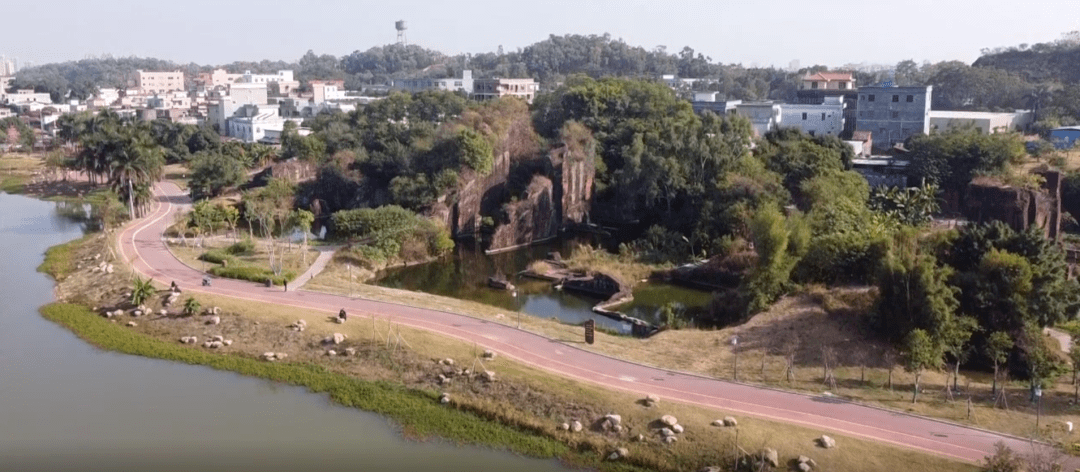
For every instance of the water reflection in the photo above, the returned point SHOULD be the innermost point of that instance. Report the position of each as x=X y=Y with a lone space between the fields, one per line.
x=465 y=275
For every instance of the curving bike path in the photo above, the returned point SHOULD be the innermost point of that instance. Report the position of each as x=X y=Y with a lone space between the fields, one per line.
x=142 y=245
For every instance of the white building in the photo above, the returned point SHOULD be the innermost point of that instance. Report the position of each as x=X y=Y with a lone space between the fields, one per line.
x=248 y=93
x=160 y=82
x=28 y=96
x=464 y=84
x=252 y=121
x=983 y=122
x=815 y=120
x=763 y=116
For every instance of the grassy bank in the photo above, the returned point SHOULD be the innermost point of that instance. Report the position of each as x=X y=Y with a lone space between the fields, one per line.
x=60 y=259
x=417 y=411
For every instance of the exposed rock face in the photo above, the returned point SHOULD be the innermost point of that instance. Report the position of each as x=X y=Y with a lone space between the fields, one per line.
x=530 y=219
x=1020 y=208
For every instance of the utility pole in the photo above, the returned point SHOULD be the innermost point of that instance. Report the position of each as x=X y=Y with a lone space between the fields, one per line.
x=735 y=349
x=1038 y=415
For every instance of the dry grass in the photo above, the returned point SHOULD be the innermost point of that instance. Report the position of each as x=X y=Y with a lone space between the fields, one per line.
x=627 y=270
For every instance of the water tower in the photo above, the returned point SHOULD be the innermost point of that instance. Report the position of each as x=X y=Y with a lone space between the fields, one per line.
x=400 y=26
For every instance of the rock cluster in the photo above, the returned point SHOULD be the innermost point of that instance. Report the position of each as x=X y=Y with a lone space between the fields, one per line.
x=189 y=339
x=273 y=356
x=651 y=400
x=444 y=398
x=611 y=423
x=805 y=464
x=826 y=442
x=212 y=311
x=171 y=299
x=667 y=434
x=336 y=338
x=104 y=268
x=300 y=325
x=110 y=314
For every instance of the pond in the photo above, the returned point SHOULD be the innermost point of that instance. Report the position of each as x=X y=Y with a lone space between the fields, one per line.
x=464 y=275
x=69 y=406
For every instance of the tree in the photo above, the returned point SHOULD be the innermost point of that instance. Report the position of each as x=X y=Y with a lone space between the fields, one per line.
x=998 y=345
x=191 y=306
x=1074 y=356
x=474 y=151
x=779 y=242
x=303 y=219
x=920 y=353
x=212 y=173
x=913 y=293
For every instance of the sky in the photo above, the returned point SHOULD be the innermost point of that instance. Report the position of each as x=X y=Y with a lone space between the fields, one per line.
x=750 y=32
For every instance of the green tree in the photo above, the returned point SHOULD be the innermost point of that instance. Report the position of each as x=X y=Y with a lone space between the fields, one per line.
x=998 y=345
x=302 y=219
x=1074 y=357
x=475 y=151
x=141 y=290
x=920 y=353
x=913 y=292
x=779 y=242
x=212 y=173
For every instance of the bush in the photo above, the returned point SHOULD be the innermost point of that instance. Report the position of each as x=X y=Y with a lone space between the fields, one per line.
x=247 y=246
x=215 y=256
x=251 y=274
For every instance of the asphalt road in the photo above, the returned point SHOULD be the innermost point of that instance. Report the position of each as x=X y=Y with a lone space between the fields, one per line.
x=143 y=246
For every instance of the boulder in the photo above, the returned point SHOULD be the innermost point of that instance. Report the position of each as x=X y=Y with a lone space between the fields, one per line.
x=447 y=361
x=206 y=344
x=339 y=338
x=730 y=421
x=670 y=439
x=215 y=344
x=215 y=310
x=575 y=426
x=214 y=321
x=331 y=352
x=339 y=320
x=227 y=342
x=678 y=429
x=564 y=427
x=665 y=432
x=184 y=339
x=651 y=400
x=618 y=454
x=639 y=438
x=803 y=467
x=718 y=422
x=826 y=442
x=131 y=324
x=617 y=429
x=164 y=312
x=614 y=419
x=217 y=338
x=281 y=355
x=268 y=356
x=136 y=313
x=669 y=420
x=350 y=351
x=444 y=398
x=489 y=376
x=771 y=457
x=489 y=354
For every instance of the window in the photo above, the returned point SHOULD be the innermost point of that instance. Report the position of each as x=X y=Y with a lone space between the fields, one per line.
x=870 y=98
x=804 y=116
x=895 y=98
x=822 y=117
x=811 y=132
x=910 y=98
x=896 y=114
x=813 y=85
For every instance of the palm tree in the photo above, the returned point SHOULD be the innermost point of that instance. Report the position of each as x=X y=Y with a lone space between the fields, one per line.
x=136 y=161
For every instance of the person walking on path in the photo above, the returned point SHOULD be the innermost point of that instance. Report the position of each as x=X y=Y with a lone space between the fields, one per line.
x=286 y=285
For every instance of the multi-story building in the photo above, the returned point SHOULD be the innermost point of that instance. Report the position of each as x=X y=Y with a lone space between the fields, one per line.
x=708 y=101
x=763 y=116
x=816 y=120
x=27 y=96
x=464 y=84
x=160 y=82
x=248 y=93
x=893 y=114
x=252 y=121
x=828 y=81
x=8 y=66
x=486 y=89
x=815 y=88
x=218 y=78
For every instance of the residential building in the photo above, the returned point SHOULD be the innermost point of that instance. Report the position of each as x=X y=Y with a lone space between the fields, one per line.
x=463 y=84
x=179 y=100
x=6 y=113
x=862 y=143
x=218 y=78
x=828 y=81
x=882 y=171
x=218 y=113
x=486 y=89
x=1065 y=137
x=160 y=82
x=27 y=96
x=248 y=93
x=983 y=122
x=763 y=116
x=893 y=114
x=5 y=84
x=8 y=67
x=251 y=122
x=815 y=120
x=323 y=92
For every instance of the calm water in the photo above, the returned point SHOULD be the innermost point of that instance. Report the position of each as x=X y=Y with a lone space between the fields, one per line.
x=465 y=275
x=65 y=405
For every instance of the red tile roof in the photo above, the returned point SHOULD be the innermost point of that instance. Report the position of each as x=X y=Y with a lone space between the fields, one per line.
x=830 y=76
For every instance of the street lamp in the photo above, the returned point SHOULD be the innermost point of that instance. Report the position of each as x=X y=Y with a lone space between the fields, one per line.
x=735 y=349
x=517 y=307
x=1038 y=416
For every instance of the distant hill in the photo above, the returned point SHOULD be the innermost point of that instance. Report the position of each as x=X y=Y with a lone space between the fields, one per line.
x=1039 y=63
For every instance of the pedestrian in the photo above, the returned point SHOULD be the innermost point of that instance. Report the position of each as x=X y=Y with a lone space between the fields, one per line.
x=342 y=315
x=286 y=285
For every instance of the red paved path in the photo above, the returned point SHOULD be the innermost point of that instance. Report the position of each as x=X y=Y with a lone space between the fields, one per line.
x=143 y=247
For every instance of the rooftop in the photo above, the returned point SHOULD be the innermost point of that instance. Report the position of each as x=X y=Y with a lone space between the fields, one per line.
x=830 y=76
x=972 y=114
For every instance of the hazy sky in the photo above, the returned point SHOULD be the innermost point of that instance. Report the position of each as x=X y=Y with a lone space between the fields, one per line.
x=762 y=32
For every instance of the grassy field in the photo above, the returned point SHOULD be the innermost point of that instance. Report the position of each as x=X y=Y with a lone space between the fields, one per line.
x=761 y=341
x=518 y=412
x=293 y=260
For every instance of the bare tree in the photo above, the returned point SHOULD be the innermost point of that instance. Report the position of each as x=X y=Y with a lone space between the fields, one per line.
x=890 y=358
x=791 y=348
x=859 y=356
x=828 y=360
x=1043 y=458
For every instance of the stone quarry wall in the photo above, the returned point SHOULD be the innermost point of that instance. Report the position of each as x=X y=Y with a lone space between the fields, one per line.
x=1020 y=208
x=530 y=219
x=464 y=215
x=575 y=173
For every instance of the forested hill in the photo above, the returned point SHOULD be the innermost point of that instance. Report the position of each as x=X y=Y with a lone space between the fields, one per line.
x=1040 y=63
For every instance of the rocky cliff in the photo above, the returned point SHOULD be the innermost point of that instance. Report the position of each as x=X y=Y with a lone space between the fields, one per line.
x=1019 y=207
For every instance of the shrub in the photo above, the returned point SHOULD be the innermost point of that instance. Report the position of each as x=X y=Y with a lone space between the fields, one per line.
x=247 y=246
x=215 y=256
x=252 y=274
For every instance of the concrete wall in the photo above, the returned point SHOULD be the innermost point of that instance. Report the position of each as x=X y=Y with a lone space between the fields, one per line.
x=985 y=123
x=817 y=120
x=763 y=116
x=893 y=114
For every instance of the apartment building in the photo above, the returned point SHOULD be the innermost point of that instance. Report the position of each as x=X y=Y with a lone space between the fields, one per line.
x=894 y=114
x=486 y=89
x=463 y=84
x=816 y=120
x=160 y=82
